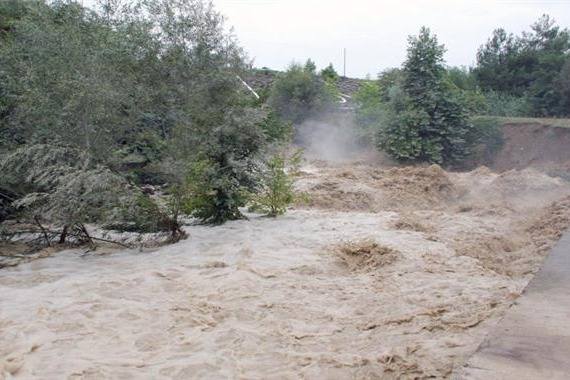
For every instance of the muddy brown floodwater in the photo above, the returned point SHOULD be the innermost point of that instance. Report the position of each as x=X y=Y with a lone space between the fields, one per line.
x=385 y=273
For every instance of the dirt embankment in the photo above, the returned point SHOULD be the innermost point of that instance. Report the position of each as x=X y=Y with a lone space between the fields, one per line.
x=534 y=145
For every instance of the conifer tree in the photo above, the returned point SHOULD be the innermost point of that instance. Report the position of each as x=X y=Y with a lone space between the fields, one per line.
x=427 y=122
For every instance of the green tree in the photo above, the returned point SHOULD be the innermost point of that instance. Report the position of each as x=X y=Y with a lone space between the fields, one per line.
x=563 y=86
x=310 y=66
x=275 y=129
x=224 y=175
x=299 y=93
x=149 y=82
x=463 y=83
x=550 y=46
x=278 y=190
x=462 y=78
x=526 y=66
x=498 y=64
x=329 y=74
x=69 y=70
x=388 y=79
x=426 y=120
x=51 y=183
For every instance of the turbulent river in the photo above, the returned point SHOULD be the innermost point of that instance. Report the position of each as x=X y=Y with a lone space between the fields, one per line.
x=285 y=298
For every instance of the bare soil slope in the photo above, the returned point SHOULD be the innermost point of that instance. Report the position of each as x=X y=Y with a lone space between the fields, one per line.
x=534 y=144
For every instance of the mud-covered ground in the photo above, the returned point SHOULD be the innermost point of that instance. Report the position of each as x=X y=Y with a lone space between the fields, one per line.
x=384 y=273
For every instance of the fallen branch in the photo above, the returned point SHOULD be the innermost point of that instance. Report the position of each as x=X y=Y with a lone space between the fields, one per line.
x=111 y=241
x=63 y=235
x=80 y=233
x=17 y=256
x=11 y=197
x=37 y=220
x=83 y=231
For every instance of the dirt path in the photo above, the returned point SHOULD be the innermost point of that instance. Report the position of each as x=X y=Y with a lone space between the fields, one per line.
x=273 y=298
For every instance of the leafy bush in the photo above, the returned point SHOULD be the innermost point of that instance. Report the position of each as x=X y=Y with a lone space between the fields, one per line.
x=463 y=83
x=275 y=129
x=502 y=104
x=84 y=196
x=225 y=171
x=213 y=193
x=474 y=101
x=370 y=111
x=36 y=167
x=51 y=183
x=462 y=78
x=277 y=185
x=54 y=182
x=299 y=93
x=141 y=213
x=329 y=74
x=115 y=83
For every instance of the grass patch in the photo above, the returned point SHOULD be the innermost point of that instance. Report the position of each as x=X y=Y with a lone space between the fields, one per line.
x=550 y=122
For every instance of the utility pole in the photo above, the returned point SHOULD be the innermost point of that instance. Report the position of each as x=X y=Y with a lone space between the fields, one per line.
x=344 y=58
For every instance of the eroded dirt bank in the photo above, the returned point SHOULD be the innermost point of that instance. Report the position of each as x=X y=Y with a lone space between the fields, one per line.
x=531 y=144
x=385 y=273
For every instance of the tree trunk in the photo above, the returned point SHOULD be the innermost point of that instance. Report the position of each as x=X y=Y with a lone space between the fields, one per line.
x=63 y=235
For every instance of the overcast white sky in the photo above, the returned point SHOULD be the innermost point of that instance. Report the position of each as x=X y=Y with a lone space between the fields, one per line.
x=374 y=32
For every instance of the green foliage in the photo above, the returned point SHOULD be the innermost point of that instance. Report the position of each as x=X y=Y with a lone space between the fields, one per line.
x=58 y=65
x=310 y=67
x=144 y=87
x=475 y=102
x=387 y=80
x=464 y=86
x=37 y=168
x=213 y=193
x=278 y=187
x=499 y=64
x=462 y=78
x=563 y=86
x=275 y=129
x=224 y=171
x=299 y=93
x=368 y=95
x=371 y=111
x=117 y=80
x=502 y=104
x=84 y=196
x=526 y=66
x=426 y=120
x=139 y=148
x=486 y=137
x=53 y=182
x=141 y=213
x=329 y=74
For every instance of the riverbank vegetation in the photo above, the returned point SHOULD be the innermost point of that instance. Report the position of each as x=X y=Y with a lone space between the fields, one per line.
x=133 y=116
x=425 y=111
x=103 y=109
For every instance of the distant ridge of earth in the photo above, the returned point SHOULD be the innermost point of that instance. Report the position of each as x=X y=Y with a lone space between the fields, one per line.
x=261 y=79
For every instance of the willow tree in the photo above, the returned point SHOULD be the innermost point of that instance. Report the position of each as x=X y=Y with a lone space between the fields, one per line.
x=131 y=84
